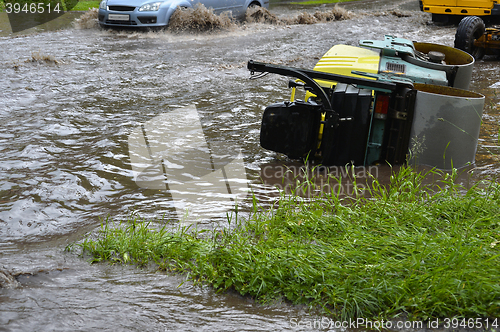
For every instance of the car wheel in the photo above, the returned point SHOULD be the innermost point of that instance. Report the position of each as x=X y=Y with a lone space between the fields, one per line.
x=469 y=30
x=254 y=4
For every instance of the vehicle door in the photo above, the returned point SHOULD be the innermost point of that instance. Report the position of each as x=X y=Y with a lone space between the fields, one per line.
x=440 y=2
x=236 y=6
x=475 y=3
x=218 y=5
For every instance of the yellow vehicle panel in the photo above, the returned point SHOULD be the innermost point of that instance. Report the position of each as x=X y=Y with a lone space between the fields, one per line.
x=459 y=7
x=457 y=10
x=475 y=3
x=342 y=59
x=440 y=2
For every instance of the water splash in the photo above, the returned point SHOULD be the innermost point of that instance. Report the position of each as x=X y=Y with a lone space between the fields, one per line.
x=202 y=19
x=335 y=14
x=87 y=20
x=262 y=15
x=41 y=58
x=199 y=19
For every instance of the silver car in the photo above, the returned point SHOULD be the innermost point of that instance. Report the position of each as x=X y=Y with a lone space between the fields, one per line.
x=156 y=13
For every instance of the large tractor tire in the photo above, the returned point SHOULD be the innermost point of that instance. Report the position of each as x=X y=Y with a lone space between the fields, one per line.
x=469 y=30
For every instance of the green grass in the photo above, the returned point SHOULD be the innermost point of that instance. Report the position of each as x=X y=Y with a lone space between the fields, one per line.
x=84 y=5
x=406 y=249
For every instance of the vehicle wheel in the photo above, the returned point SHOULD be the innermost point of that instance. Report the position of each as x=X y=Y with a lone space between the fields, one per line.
x=254 y=4
x=469 y=30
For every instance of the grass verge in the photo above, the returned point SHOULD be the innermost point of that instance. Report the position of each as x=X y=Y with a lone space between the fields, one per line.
x=405 y=249
x=83 y=5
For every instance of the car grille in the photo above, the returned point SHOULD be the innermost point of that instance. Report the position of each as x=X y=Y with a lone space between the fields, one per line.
x=121 y=22
x=121 y=8
x=147 y=19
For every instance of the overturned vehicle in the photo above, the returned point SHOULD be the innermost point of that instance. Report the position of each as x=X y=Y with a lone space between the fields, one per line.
x=390 y=101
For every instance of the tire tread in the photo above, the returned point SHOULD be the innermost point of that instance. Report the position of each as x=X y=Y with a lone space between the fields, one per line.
x=469 y=28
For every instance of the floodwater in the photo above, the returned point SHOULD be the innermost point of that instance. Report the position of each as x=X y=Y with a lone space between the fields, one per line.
x=70 y=98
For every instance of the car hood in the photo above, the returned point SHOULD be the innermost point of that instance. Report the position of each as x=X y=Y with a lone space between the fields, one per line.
x=135 y=3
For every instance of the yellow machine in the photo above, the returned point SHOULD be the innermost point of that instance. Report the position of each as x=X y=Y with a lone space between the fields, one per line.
x=474 y=38
x=387 y=101
x=443 y=10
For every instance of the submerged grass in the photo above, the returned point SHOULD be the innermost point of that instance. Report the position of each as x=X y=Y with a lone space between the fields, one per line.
x=405 y=249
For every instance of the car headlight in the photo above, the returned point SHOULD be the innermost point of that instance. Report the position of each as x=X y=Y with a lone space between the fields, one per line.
x=150 y=7
x=102 y=5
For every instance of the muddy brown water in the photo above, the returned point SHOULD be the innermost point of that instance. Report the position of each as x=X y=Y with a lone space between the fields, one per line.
x=64 y=161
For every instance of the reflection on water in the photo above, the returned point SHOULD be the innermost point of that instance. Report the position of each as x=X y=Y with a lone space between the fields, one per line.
x=27 y=23
x=64 y=160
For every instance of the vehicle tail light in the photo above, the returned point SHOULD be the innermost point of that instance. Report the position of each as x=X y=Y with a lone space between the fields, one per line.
x=381 y=106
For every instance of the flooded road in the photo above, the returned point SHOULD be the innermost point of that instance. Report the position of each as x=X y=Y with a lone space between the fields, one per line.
x=69 y=101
